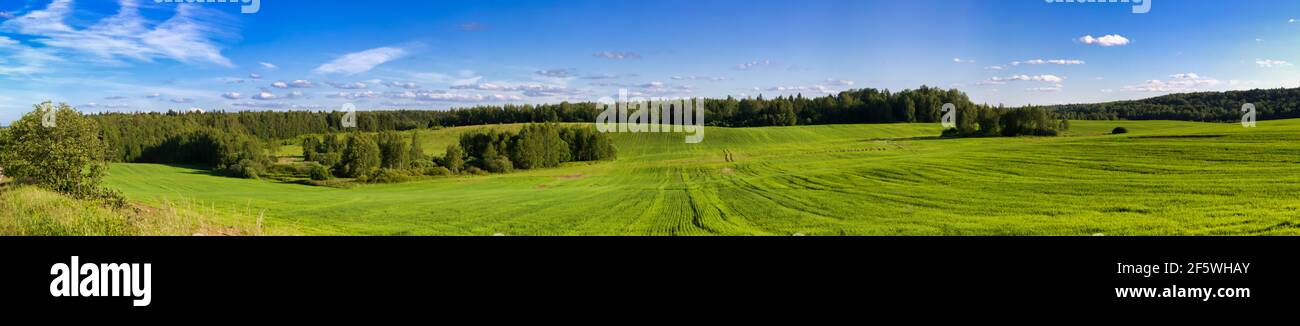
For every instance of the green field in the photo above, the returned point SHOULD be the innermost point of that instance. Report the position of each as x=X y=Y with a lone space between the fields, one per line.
x=1163 y=178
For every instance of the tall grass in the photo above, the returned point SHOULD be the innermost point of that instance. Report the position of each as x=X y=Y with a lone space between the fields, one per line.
x=31 y=211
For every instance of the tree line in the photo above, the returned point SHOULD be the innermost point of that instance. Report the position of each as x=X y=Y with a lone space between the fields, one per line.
x=986 y=121
x=1271 y=104
x=386 y=157
x=136 y=137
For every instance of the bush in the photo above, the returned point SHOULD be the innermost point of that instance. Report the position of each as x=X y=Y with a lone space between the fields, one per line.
x=499 y=164
x=390 y=176
x=1119 y=130
x=437 y=171
x=319 y=172
x=474 y=170
x=67 y=157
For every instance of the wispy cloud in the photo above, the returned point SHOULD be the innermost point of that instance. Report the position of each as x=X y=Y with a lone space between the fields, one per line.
x=1178 y=83
x=609 y=76
x=232 y=95
x=397 y=84
x=189 y=36
x=1268 y=63
x=617 y=55
x=1059 y=62
x=356 y=85
x=1015 y=78
x=268 y=65
x=555 y=73
x=703 y=78
x=359 y=62
x=753 y=64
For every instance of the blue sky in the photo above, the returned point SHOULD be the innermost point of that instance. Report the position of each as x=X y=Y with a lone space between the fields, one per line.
x=130 y=55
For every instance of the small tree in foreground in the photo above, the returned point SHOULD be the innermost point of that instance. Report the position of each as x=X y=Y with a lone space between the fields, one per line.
x=56 y=148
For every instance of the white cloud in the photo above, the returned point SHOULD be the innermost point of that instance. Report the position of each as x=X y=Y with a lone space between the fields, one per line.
x=233 y=95
x=753 y=64
x=354 y=96
x=617 y=55
x=254 y=76
x=829 y=86
x=1178 y=83
x=265 y=96
x=704 y=78
x=184 y=37
x=397 y=84
x=995 y=68
x=300 y=83
x=555 y=73
x=280 y=85
x=1292 y=21
x=1061 y=62
x=528 y=89
x=19 y=59
x=445 y=96
x=359 y=62
x=609 y=76
x=188 y=36
x=268 y=65
x=960 y=60
x=6 y=15
x=1042 y=78
x=1268 y=63
x=356 y=85
x=1053 y=89
x=1106 y=41
x=182 y=100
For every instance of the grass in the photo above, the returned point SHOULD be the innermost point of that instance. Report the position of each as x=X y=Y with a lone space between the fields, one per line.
x=31 y=211
x=1162 y=178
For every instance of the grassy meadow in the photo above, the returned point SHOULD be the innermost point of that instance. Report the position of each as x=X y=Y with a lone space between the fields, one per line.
x=1162 y=178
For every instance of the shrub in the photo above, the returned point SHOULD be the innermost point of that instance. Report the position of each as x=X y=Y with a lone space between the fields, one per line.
x=498 y=164
x=67 y=157
x=319 y=172
x=475 y=170
x=1119 y=130
x=437 y=171
x=390 y=176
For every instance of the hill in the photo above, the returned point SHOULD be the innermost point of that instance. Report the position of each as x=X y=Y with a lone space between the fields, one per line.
x=1163 y=178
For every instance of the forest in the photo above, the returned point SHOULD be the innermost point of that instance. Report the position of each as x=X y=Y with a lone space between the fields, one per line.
x=152 y=136
x=1272 y=104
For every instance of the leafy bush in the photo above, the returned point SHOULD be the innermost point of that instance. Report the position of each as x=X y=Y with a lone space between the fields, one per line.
x=1119 y=130
x=438 y=171
x=319 y=172
x=66 y=157
x=474 y=170
x=390 y=176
